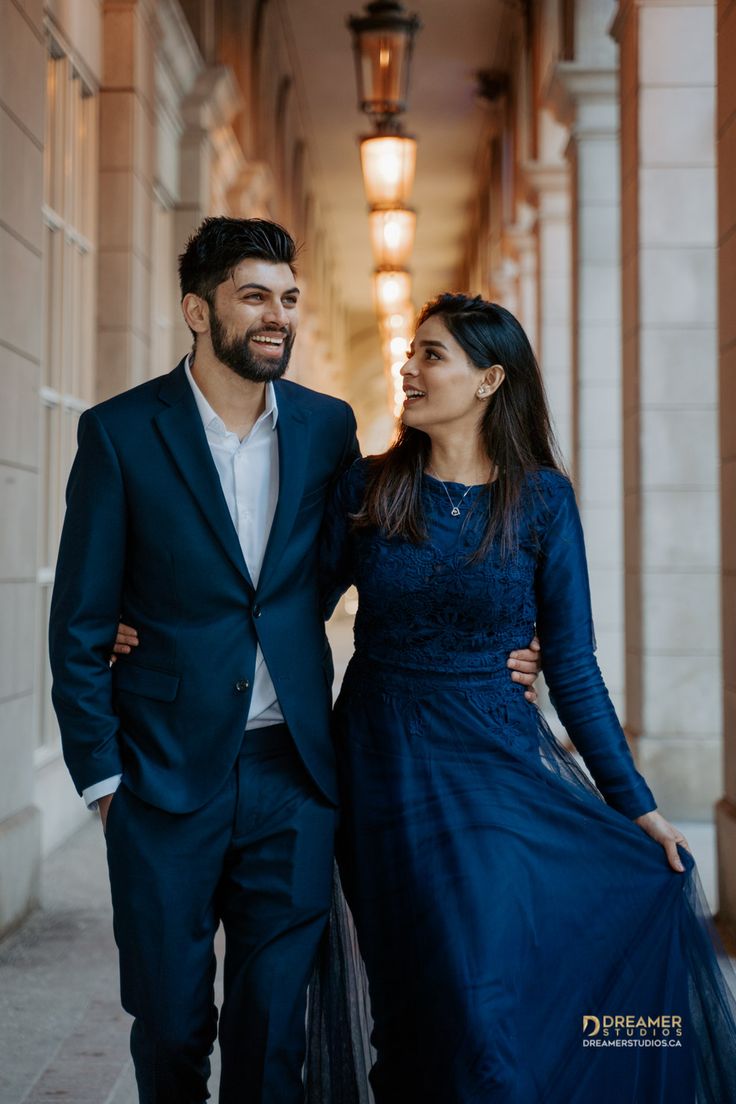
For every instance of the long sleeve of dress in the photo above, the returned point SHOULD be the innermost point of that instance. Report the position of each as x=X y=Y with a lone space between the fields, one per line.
x=577 y=689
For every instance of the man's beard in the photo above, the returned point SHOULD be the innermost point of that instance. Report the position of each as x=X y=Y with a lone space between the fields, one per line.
x=236 y=352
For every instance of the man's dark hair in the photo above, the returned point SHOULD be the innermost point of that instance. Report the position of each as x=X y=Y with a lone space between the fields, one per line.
x=218 y=246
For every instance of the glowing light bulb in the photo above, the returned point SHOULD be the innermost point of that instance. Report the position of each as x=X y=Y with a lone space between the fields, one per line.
x=392 y=235
x=389 y=162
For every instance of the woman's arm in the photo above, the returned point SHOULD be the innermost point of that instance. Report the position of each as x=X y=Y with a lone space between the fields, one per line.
x=577 y=690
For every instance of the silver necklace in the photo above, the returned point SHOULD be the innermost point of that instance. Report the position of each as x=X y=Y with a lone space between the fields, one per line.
x=455 y=511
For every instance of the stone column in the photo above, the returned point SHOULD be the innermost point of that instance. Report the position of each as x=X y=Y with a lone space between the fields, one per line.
x=252 y=193
x=726 y=132
x=126 y=195
x=22 y=84
x=550 y=180
x=589 y=99
x=522 y=241
x=211 y=160
x=178 y=63
x=673 y=660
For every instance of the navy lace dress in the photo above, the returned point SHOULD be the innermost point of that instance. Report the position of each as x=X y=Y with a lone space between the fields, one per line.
x=499 y=896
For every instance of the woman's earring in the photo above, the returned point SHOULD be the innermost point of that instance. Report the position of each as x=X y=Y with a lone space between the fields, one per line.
x=482 y=392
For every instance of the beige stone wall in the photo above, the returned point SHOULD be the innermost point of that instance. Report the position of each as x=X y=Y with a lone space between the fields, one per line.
x=22 y=68
x=726 y=149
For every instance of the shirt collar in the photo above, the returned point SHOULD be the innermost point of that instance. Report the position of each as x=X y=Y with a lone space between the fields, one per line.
x=212 y=420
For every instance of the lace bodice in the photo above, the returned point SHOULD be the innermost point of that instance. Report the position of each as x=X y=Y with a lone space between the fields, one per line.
x=426 y=607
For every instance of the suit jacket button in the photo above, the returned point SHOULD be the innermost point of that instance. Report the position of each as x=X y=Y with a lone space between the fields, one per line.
x=242 y=685
x=257 y=611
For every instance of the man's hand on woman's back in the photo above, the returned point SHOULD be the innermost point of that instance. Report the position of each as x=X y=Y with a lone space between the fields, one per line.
x=525 y=664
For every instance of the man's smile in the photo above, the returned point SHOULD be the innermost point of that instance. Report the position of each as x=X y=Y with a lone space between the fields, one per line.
x=269 y=343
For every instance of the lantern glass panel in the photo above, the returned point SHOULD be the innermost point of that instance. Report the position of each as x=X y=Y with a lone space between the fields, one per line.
x=392 y=290
x=383 y=72
x=389 y=163
x=392 y=236
x=398 y=322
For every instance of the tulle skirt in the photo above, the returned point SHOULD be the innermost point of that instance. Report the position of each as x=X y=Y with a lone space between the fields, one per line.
x=510 y=938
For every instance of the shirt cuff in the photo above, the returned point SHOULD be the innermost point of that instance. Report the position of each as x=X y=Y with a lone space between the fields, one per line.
x=100 y=789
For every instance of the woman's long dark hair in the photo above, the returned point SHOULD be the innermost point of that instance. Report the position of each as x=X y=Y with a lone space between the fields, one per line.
x=516 y=429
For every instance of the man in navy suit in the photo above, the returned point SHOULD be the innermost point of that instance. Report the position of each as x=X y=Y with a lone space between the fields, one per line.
x=193 y=511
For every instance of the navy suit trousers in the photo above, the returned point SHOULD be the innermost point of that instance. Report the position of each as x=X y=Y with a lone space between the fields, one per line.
x=258 y=857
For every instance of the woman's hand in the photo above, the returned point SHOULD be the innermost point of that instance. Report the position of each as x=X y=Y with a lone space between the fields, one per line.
x=125 y=641
x=665 y=833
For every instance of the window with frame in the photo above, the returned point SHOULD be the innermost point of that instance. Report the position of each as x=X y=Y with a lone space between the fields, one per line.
x=69 y=310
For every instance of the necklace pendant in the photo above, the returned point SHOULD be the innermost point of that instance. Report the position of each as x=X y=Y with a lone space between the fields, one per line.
x=455 y=511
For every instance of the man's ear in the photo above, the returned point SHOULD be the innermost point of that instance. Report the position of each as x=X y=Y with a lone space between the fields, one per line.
x=196 y=313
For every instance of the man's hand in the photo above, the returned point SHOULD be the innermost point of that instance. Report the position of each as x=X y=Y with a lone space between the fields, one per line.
x=125 y=641
x=526 y=664
x=103 y=805
x=665 y=833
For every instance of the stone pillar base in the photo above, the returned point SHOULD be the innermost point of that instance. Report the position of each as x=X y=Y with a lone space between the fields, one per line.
x=685 y=776
x=726 y=839
x=20 y=849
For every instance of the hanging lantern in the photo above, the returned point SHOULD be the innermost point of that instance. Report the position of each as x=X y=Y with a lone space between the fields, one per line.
x=392 y=235
x=389 y=162
x=391 y=289
x=383 y=42
x=397 y=323
x=395 y=349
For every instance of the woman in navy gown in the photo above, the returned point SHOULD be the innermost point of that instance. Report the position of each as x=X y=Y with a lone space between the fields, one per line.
x=505 y=905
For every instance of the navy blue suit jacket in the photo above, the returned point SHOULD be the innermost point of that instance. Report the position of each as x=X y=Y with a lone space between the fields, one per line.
x=148 y=538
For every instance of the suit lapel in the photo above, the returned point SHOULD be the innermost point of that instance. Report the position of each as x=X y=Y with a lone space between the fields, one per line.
x=292 y=428
x=181 y=428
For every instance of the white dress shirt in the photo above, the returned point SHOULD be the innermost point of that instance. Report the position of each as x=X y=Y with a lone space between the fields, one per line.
x=249 y=476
